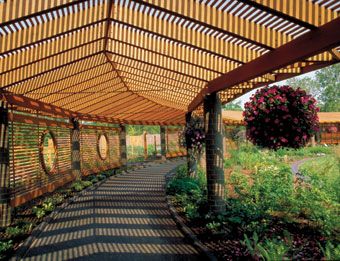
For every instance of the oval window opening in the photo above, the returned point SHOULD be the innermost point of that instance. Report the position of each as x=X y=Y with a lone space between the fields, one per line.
x=48 y=152
x=103 y=146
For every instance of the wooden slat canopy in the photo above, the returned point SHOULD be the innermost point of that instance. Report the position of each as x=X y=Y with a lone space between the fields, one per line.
x=151 y=61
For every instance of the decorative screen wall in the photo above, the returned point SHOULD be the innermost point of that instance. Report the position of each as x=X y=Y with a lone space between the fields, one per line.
x=40 y=153
x=28 y=177
x=91 y=161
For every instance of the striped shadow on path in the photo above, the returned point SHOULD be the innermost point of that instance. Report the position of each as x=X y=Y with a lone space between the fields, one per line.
x=126 y=218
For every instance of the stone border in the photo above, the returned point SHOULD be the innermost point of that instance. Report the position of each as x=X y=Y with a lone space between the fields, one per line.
x=188 y=233
x=24 y=247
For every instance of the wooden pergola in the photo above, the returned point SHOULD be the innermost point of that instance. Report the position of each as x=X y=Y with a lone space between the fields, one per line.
x=151 y=61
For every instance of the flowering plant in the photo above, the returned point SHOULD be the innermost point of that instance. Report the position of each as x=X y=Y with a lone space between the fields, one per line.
x=281 y=117
x=193 y=135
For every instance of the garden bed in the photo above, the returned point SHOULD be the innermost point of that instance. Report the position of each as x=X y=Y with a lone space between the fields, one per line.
x=270 y=214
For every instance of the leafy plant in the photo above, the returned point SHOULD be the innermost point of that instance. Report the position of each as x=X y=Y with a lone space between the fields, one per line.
x=57 y=199
x=5 y=247
x=213 y=226
x=15 y=231
x=94 y=180
x=269 y=250
x=182 y=186
x=38 y=211
x=77 y=186
x=86 y=184
x=48 y=206
x=101 y=177
x=272 y=250
x=330 y=251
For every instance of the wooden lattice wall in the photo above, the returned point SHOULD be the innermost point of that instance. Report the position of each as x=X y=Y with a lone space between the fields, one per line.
x=28 y=178
x=91 y=162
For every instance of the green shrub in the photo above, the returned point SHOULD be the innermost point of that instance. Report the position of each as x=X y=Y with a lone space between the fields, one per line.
x=330 y=251
x=269 y=250
x=77 y=185
x=181 y=172
x=101 y=177
x=182 y=186
x=57 y=199
x=15 y=231
x=86 y=184
x=94 y=180
x=5 y=248
x=48 y=206
x=38 y=211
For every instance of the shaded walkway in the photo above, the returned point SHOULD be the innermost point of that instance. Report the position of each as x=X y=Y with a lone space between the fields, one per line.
x=126 y=218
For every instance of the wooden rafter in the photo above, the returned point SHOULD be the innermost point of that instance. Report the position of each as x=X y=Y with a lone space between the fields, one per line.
x=324 y=38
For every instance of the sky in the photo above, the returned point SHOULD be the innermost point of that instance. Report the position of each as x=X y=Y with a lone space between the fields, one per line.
x=244 y=98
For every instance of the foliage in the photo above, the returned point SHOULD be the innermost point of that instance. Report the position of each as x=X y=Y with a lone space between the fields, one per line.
x=86 y=184
x=5 y=247
x=317 y=199
x=213 y=226
x=15 y=231
x=233 y=106
x=134 y=130
x=182 y=186
x=270 y=249
x=330 y=251
x=48 y=206
x=38 y=211
x=101 y=177
x=189 y=192
x=278 y=117
x=77 y=185
x=57 y=199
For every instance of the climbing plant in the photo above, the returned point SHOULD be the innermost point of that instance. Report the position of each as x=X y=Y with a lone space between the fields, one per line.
x=280 y=117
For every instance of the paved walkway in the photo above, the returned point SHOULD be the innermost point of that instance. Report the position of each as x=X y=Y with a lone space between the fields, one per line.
x=126 y=218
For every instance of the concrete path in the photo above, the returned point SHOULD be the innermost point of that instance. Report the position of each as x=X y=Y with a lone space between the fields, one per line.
x=126 y=218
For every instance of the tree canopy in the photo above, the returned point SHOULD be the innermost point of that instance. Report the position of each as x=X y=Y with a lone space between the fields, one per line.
x=324 y=87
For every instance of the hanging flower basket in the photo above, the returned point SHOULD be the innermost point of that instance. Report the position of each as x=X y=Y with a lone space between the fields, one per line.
x=193 y=136
x=278 y=117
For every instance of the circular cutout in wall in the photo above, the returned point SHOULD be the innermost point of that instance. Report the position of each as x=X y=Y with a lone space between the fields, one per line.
x=48 y=152
x=103 y=146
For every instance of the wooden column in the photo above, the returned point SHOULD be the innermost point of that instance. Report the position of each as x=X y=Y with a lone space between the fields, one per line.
x=191 y=161
x=123 y=149
x=163 y=142
x=5 y=209
x=214 y=153
x=75 y=148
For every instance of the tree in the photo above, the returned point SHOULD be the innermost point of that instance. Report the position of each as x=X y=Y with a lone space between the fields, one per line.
x=328 y=80
x=324 y=87
x=233 y=106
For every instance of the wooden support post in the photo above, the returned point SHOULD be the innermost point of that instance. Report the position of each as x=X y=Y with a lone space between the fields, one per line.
x=214 y=153
x=5 y=209
x=75 y=148
x=155 y=144
x=191 y=161
x=163 y=142
x=145 y=145
x=123 y=149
